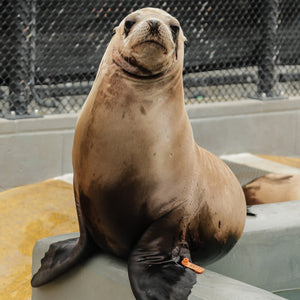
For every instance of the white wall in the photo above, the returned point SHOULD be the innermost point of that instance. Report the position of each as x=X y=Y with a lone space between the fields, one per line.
x=261 y=127
x=33 y=150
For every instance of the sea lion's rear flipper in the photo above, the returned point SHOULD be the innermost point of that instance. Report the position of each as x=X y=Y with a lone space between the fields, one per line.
x=62 y=255
x=155 y=269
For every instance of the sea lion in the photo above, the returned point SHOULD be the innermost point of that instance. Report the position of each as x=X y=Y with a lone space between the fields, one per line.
x=144 y=190
x=272 y=188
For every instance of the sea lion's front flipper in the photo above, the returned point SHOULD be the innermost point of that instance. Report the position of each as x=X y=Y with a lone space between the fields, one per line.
x=155 y=269
x=62 y=255
x=58 y=259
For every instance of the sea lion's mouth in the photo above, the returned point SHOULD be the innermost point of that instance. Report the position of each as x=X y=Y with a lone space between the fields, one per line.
x=152 y=42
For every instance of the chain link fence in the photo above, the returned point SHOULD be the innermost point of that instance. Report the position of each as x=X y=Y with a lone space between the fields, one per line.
x=50 y=50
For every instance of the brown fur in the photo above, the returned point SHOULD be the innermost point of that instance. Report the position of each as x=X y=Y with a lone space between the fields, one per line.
x=272 y=188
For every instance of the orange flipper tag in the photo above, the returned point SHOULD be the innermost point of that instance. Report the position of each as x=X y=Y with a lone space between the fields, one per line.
x=185 y=262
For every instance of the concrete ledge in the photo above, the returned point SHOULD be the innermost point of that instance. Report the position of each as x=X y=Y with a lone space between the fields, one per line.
x=254 y=161
x=47 y=123
x=267 y=255
x=243 y=107
x=105 y=277
x=36 y=149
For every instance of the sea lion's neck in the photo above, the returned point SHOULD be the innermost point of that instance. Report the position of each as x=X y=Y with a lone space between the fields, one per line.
x=122 y=86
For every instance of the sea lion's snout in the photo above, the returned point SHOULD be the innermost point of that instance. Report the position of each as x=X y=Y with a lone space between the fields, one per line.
x=150 y=38
x=154 y=24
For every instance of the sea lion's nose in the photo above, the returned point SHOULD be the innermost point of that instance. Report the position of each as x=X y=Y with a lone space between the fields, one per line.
x=153 y=24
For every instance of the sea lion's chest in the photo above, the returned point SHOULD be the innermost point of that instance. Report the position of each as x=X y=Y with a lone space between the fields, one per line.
x=132 y=133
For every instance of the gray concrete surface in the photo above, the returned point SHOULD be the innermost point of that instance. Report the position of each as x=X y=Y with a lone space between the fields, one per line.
x=254 y=161
x=36 y=149
x=267 y=257
x=105 y=277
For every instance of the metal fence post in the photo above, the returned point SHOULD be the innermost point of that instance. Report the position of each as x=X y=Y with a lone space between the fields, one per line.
x=267 y=55
x=32 y=52
x=18 y=70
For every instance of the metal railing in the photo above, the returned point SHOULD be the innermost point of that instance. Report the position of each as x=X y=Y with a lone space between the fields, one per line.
x=50 y=50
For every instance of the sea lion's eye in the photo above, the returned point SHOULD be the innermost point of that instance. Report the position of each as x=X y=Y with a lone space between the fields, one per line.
x=175 y=30
x=128 y=26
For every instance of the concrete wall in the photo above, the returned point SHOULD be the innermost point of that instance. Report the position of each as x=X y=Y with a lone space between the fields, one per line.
x=262 y=127
x=32 y=150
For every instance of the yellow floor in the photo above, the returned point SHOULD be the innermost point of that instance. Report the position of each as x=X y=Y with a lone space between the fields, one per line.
x=27 y=214
x=31 y=212
x=290 y=161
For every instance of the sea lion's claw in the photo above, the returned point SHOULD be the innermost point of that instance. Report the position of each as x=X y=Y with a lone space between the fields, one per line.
x=154 y=271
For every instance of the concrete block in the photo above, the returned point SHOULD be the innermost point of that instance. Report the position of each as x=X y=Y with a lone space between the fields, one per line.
x=254 y=161
x=105 y=277
x=267 y=255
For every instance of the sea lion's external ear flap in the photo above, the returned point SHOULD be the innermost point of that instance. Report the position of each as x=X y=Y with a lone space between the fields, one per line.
x=186 y=42
x=114 y=31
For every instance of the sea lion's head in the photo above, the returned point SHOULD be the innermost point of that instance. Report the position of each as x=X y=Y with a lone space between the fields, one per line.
x=148 y=42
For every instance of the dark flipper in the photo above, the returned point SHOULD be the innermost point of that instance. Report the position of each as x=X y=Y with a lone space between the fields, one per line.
x=57 y=260
x=154 y=265
x=62 y=255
